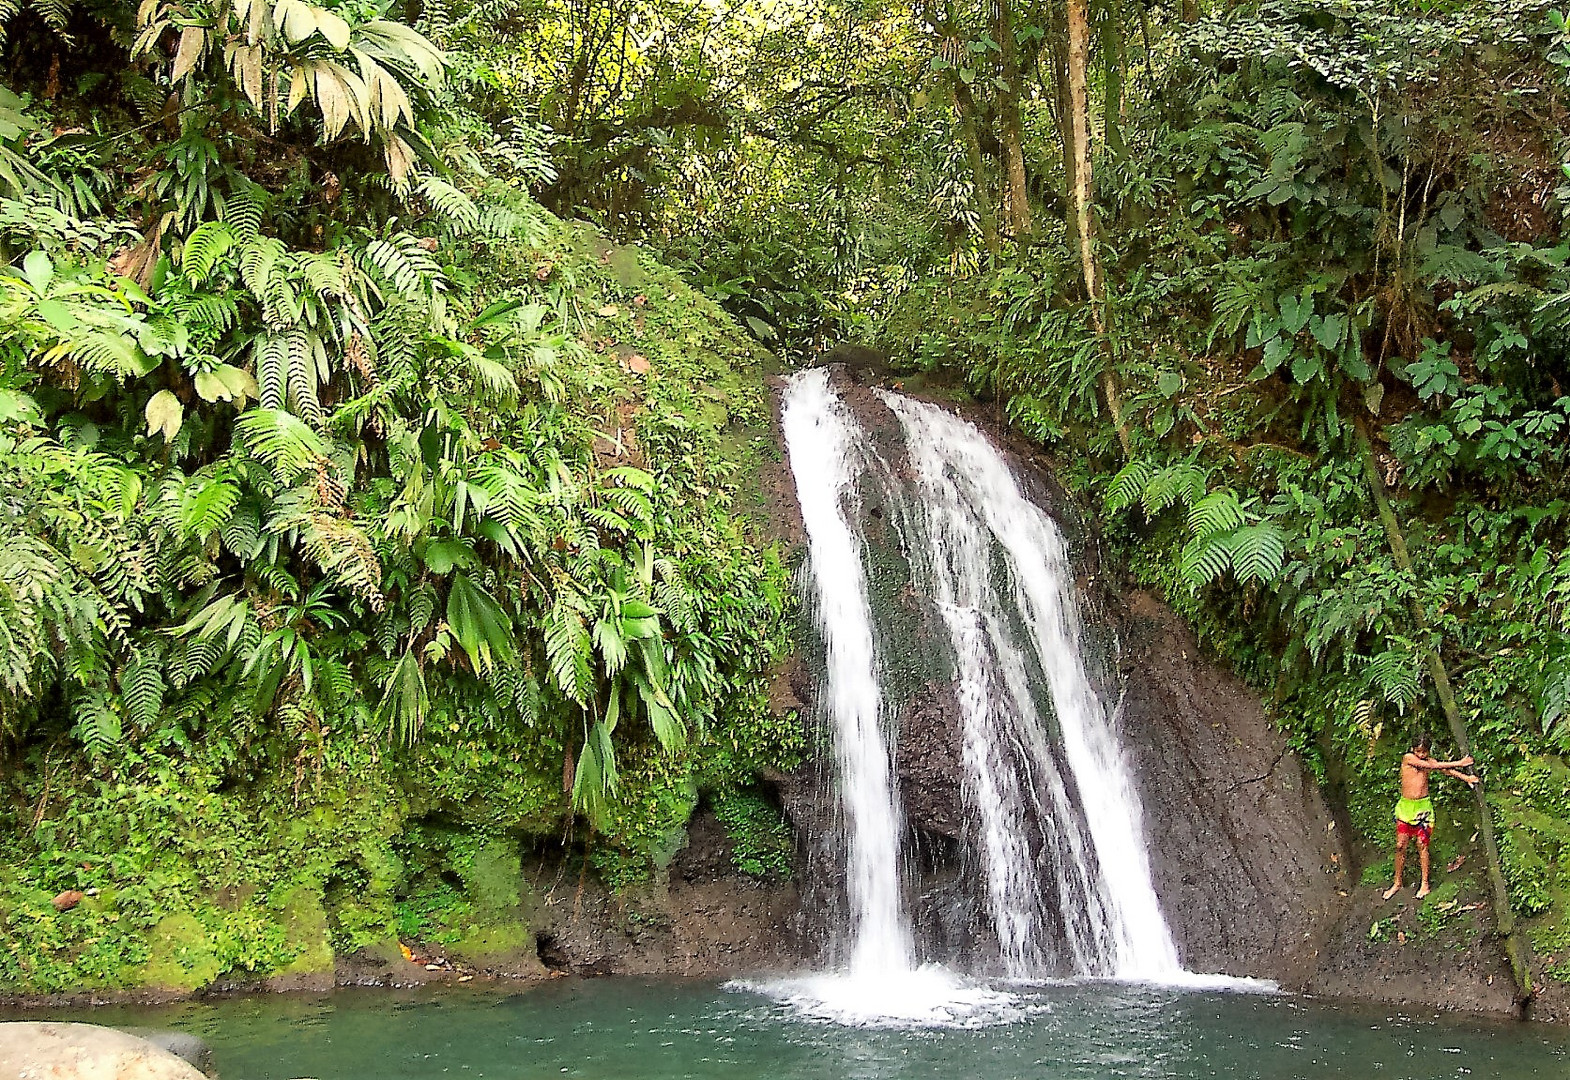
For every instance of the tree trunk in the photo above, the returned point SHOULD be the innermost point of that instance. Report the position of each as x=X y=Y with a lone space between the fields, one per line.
x=1054 y=55
x=1082 y=189
x=978 y=170
x=1190 y=11
x=1516 y=948
x=1017 y=191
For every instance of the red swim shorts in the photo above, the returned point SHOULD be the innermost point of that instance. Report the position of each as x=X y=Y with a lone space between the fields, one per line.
x=1422 y=832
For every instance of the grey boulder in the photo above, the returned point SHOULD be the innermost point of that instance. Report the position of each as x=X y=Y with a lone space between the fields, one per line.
x=43 y=1050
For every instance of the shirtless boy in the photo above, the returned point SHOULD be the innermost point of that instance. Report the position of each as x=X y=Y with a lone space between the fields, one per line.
x=1415 y=811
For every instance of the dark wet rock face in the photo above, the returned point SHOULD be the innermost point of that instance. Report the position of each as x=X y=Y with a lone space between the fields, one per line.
x=701 y=917
x=928 y=763
x=1246 y=855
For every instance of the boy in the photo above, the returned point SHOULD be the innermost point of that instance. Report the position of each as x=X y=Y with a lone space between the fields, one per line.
x=1415 y=811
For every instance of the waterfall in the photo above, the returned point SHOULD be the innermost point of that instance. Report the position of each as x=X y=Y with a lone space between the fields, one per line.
x=997 y=568
x=825 y=446
x=1053 y=813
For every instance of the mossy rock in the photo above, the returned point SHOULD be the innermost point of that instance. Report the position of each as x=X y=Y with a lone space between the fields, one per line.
x=496 y=935
x=303 y=916
x=182 y=955
x=504 y=944
x=494 y=878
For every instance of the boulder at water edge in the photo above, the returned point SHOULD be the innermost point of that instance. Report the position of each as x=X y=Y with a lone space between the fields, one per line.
x=49 y=1051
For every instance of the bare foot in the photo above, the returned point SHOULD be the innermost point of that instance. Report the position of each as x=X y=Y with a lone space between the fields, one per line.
x=1422 y=892
x=1392 y=890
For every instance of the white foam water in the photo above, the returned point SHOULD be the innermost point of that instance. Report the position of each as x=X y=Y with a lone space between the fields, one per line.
x=929 y=996
x=825 y=457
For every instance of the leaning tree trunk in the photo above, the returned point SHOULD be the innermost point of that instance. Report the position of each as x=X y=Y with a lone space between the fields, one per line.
x=1083 y=198
x=1504 y=918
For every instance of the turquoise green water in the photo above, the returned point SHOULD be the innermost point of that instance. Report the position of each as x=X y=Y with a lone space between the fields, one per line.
x=620 y=1029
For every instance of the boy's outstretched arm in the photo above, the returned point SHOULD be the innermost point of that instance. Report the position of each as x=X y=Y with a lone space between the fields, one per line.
x=1466 y=778
x=1431 y=765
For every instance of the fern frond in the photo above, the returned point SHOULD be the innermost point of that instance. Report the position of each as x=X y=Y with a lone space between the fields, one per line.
x=406 y=266
x=1217 y=512
x=1128 y=485
x=243 y=213
x=97 y=725
x=568 y=652
x=142 y=689
x=1258 y=552
x=447 y=201
x=284 y=442
x=205 y=507
x=1394 y=673
x=206 y=244
x=1204 y=559
x=1176 y=485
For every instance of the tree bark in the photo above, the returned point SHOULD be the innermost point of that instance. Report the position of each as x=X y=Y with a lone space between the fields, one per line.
x=978 y=168
x=1516 y=948
x=1082 y=188
x=1017 y=192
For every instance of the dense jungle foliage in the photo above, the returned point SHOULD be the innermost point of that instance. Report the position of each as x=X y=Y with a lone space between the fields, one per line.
x=360 y=517
x=368 y=514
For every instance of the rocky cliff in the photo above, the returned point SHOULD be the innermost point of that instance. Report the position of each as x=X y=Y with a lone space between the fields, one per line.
x=1254 y=866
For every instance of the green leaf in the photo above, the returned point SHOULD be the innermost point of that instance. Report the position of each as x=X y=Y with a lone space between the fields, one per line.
x=480 y=625
x=637 y=609
x=1328 y=331
x=17 y=407
x=240 y=383
x=668 y=728
x=1295 y=312
x=1277 y=350
x=165 y=414
x=58 y=315
x=1374 y=397
x=38 y=270
x=496 y=312
x=405 y=700
x=442 y=555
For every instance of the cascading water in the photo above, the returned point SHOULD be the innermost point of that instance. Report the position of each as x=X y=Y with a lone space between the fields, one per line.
x=825 y=459
x=1055 y=813
x=997 y=567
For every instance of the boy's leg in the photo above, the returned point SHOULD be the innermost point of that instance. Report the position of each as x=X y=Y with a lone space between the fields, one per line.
x=1422 y=859
x=1400 y=863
